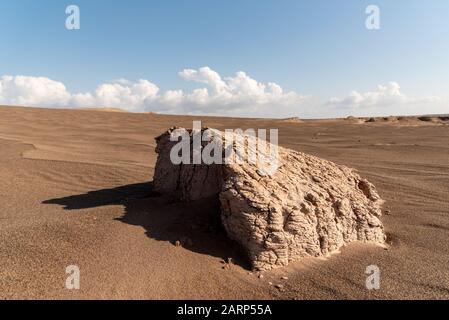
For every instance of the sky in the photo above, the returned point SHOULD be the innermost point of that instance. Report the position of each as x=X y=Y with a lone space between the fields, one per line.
x=268 y=58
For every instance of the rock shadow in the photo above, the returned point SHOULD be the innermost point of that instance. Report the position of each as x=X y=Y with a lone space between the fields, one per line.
x=195 y=225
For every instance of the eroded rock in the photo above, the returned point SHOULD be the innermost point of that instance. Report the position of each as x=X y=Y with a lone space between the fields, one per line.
x=307 y=207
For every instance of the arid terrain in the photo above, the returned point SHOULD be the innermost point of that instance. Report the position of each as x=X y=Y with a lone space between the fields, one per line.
x=75 y=190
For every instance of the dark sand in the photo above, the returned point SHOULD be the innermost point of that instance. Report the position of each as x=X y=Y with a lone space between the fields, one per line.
x=74 y=190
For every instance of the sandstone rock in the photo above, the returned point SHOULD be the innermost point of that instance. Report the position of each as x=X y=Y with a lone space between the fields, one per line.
x=307 y=207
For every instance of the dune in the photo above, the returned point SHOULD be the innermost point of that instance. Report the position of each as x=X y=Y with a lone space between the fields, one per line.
x=405 y=120
x=354 y=120
x=106 y=109
x=292 y=120
x=77 y=190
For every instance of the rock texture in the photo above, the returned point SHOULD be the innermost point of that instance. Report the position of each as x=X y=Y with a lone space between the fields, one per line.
x=307 y=207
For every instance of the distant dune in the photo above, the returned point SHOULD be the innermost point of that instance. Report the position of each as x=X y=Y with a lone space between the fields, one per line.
x=292 y=120
x=106 y=109
x=405 y=120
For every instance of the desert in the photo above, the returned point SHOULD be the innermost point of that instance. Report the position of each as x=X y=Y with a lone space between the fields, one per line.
x=77 y=190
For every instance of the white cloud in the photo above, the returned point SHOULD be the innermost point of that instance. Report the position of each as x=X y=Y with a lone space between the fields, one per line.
x=119 y=94
x=32 y=91
x=204 y=75
x=237 y=95
x=385 y=96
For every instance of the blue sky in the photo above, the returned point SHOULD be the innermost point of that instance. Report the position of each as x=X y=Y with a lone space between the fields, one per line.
x=319 y=50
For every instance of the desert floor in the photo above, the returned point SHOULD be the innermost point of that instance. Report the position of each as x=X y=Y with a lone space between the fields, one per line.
x=74 y=191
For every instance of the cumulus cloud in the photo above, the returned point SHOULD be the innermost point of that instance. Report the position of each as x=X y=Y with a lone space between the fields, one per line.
x=385 y=96
x=239 y=94
x=204 y=75
x=119 y=94
x=32 y=91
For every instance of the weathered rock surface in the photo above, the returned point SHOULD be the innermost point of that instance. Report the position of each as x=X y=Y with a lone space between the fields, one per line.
x=307 y=207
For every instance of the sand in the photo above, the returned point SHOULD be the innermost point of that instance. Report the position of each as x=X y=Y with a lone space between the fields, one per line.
x=75 y=191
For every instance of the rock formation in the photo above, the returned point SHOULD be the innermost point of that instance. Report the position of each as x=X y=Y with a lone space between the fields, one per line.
x=307 y=206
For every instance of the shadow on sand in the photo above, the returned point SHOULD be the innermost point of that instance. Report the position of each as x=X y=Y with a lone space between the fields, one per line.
x=196 y=225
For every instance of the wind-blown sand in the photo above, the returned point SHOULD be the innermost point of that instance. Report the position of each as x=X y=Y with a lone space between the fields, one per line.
x=75 y=190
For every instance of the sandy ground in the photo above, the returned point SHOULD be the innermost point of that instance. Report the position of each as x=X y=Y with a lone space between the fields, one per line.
x=74 y=190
